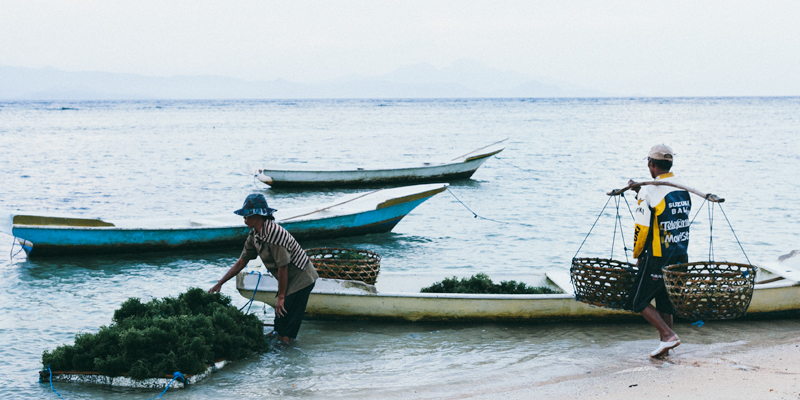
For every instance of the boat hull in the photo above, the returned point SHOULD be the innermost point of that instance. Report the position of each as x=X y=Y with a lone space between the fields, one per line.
x=54 y=240
x=376 y=221
x=327 y=303
x=777 y=301
x=395 y=176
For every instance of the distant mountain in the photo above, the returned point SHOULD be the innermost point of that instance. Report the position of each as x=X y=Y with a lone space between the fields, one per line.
x=462 y=79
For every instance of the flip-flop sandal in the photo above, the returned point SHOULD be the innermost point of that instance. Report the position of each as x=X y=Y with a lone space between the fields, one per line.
x=665 y=347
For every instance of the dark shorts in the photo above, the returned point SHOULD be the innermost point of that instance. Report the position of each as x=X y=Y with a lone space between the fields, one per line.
x=295 y=305
x=649 y=284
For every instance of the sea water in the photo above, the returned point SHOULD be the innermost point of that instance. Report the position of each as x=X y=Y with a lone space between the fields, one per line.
x=528 y=209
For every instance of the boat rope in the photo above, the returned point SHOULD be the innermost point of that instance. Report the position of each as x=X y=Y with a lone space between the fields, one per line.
x=484 y=218
x=51 y=381
x=506 y=162
x=498 y=142
x=329 y=207
x=11 y=254
x=176 y=375
x=249 y=303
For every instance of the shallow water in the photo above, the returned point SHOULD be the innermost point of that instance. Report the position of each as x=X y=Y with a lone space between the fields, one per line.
x=536 y=202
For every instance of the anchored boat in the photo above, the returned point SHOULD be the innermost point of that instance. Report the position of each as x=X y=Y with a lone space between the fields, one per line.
x=396 y=297
x=355 y=214
x=461 y=167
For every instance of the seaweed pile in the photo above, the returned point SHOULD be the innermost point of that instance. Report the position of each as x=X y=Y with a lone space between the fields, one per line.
x=481 y=284
x=162 y=336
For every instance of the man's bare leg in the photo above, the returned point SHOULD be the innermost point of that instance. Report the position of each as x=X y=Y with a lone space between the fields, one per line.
x=664 y=327
x=667 y=318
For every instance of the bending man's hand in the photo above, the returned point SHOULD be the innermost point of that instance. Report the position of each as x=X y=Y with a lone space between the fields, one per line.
x=215 y=289
x=280 y=310
x=235 y=269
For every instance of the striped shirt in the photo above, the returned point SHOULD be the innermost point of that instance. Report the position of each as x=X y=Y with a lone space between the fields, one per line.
x=275 y=234
x=277 y=248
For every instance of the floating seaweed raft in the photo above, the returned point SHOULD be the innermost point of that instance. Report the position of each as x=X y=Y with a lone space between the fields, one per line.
x=170 y=341
x=124 y=381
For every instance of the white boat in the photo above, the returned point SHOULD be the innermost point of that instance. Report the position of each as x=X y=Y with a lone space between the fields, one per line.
x=461 y=167
x=355 y=214
x=397 y=297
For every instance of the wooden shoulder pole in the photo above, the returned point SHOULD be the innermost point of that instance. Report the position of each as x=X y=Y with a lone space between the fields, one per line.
x=708 y=196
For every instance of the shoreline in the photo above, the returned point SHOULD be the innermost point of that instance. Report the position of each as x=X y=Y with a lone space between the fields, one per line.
x=738 y=370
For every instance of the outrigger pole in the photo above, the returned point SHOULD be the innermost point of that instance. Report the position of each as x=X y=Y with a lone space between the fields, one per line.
x=708 y=196
x=464 y=155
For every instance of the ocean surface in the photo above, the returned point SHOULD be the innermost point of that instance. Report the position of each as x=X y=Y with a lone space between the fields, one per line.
x=535 y=203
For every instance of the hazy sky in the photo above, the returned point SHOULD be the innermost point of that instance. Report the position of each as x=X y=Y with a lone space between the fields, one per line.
x=668 y=48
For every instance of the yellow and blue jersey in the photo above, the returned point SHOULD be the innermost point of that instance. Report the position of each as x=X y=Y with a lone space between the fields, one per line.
x=663 y=212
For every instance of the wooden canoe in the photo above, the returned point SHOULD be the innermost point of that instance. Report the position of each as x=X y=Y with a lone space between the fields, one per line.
x=461 y=167
x=396 y=297
x=355 y=214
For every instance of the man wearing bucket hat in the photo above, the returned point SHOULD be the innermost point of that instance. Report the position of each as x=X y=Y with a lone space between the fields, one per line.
x=661 y=238
x=283 y=257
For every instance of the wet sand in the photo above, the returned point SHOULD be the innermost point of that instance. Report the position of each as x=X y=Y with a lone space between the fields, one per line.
x=738 y=370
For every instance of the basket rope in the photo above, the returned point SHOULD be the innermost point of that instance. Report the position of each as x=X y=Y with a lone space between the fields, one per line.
x=702 y=290
x=347 y=264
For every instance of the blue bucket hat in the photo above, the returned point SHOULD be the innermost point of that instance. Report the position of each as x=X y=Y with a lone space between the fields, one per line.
x=255 y=204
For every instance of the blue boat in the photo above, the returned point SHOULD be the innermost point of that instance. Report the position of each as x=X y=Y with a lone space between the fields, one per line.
x=355 y=214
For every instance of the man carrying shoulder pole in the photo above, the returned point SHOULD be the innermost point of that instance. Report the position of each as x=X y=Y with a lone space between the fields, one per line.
x=661 y=238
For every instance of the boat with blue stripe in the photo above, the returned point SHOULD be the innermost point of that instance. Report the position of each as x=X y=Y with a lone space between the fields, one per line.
x=355 y=214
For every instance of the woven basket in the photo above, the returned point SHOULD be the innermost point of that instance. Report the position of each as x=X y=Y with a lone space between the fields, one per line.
x=347 y=264
x=710 y=290
x=602 y=282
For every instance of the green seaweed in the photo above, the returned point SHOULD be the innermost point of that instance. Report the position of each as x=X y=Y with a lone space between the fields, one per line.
x=162 y=336
x=481 y=284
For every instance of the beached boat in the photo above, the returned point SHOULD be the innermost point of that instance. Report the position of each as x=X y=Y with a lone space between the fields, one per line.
x=396 y=297
x=355 y=214
x=461 y=167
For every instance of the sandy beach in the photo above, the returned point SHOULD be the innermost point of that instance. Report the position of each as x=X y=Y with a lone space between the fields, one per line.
x=739 y=370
